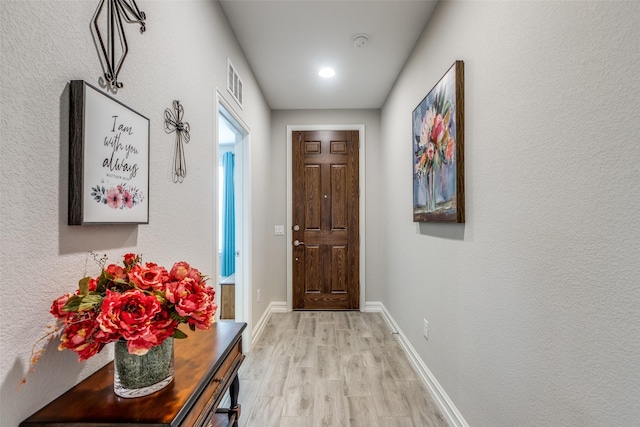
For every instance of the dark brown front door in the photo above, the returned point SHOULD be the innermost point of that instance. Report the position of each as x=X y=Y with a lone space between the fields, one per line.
x=326 y=251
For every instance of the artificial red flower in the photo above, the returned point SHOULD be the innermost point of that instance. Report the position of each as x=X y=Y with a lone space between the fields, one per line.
x=180 y=270
x=92 y=285
x=129 y=313
x=57 y=308
x=130 y=259
x=116 y=271
x=194 y=300
x=80 y=336
x=148 y=276
x=142 y=304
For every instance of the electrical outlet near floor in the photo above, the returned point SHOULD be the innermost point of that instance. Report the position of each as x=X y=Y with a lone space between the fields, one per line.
x=425 y=329
x=258 y=295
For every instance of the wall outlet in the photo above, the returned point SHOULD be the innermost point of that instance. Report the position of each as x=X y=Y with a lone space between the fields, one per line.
x=425 y=329
x=258 y=295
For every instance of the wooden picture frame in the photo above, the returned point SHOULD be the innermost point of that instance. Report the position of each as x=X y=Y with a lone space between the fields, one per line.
x=438 y=151
x=108 y=159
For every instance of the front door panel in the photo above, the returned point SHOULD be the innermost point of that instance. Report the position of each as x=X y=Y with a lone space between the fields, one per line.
x=326 y=220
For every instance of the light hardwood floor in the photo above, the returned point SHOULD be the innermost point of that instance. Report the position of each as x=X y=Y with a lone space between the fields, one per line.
x=329 y=369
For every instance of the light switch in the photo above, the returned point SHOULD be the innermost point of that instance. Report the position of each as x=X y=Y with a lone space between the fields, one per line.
x=279 y=230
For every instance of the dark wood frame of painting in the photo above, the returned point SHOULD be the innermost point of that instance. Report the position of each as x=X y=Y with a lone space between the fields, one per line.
x=77 y=127
x=459 y=215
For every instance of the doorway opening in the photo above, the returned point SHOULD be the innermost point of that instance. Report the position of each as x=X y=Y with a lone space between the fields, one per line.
x=231 y=242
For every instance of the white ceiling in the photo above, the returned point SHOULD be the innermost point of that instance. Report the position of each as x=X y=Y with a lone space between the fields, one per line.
x=286 y=43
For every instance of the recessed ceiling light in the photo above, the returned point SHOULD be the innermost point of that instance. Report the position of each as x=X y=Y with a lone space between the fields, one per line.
x=326 y=72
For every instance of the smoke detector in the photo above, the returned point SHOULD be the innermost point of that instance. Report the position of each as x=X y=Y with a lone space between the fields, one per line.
x=359 y=40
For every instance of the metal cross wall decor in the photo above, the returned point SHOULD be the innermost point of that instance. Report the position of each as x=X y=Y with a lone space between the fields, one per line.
x=173 y=123
x=113 y=48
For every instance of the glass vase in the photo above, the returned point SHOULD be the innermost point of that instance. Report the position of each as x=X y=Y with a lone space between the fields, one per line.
x=136 y=376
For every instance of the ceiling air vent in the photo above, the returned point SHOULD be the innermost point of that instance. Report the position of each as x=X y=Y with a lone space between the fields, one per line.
x=234 y=83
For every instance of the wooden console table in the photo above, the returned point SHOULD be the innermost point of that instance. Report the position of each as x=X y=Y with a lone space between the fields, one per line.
x=206 y=366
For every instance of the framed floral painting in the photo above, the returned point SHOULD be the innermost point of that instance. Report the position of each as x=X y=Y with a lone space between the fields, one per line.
x=438 y=151
x=108 y=160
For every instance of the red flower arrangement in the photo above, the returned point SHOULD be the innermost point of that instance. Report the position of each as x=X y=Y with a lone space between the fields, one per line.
x=140 y=303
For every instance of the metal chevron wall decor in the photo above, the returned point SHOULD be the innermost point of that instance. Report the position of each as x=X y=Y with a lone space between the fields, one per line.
x=109 y=36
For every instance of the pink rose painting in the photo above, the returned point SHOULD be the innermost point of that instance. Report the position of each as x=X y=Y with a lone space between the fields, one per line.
x=438 y=163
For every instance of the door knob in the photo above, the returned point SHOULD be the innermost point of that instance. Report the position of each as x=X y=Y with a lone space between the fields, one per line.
x=297 y=243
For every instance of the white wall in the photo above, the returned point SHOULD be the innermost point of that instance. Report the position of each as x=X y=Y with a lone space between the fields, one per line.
x=182 y=55
x=534 y=303
x=280 y=119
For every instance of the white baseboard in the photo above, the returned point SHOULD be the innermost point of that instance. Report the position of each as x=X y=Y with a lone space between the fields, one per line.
x=278 y=307
x=449 y=410
x=373 y=307
x=274 y=307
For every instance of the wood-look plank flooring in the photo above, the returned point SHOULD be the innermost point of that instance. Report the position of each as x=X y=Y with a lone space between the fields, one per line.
x=330 y=369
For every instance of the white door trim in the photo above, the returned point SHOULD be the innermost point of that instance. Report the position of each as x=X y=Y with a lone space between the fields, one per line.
x=290 y=129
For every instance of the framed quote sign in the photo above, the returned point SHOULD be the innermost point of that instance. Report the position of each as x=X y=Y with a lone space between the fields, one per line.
x=108 y=160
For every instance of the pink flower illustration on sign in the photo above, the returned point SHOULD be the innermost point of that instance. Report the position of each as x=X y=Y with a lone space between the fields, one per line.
x=119 y=196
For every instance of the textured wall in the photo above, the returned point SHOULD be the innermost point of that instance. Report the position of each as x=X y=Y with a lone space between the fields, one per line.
x=181 y=56
x=533 y=304
x=280 y=119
